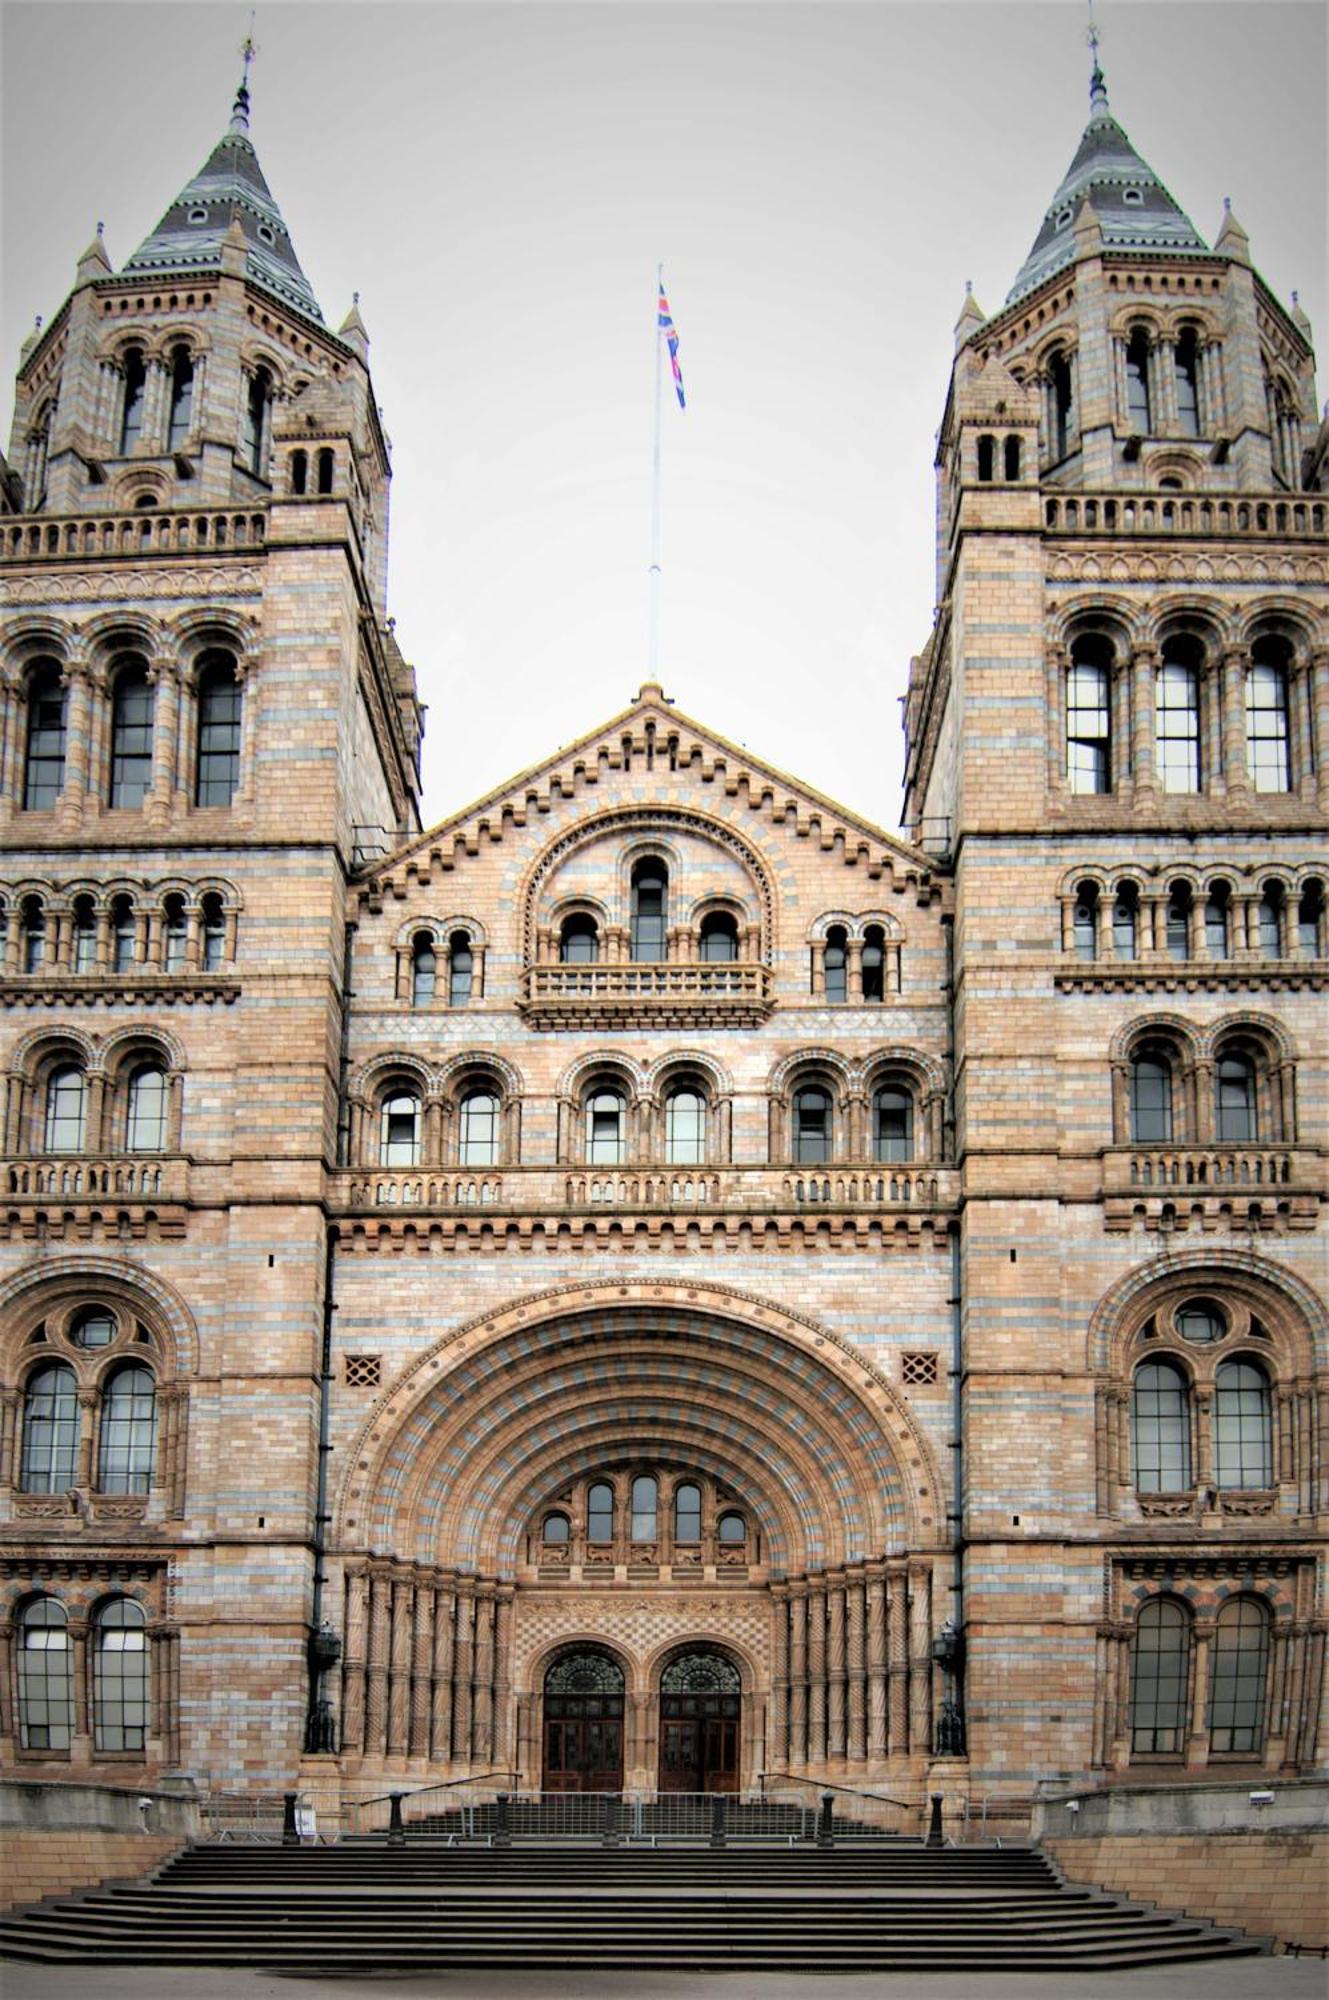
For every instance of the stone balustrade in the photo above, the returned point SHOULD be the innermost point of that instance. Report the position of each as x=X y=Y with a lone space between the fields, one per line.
x=57 y=1179
x=145 y=532
x=538 y=1189
x=1223 y=515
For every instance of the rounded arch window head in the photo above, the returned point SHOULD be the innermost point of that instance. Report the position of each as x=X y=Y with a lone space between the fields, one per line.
x=701 y=1673
x=650 y=883
x=685 y=1126
x=578 y=940
x=45 y=1677
x=606 y=1120
x=600 y=1512
x=424 y=969
x=461 y=968
x=585 y=1673
x=732 y=1528
x=718 y=941
x=399 y=1130
x=555 y=1530
x=874 y=964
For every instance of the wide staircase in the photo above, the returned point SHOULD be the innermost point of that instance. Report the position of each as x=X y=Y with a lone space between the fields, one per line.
x=884 y=1904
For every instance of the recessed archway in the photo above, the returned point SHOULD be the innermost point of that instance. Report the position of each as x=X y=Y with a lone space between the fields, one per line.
x=701 y=1721
x=585 y=1691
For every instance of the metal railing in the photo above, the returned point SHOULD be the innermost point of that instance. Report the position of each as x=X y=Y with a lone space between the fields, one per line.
x=857 y=1814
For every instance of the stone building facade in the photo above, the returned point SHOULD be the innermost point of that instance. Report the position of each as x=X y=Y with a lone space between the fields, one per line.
x=655 y=1280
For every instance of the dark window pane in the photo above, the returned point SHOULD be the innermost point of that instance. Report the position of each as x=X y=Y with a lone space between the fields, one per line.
x=45 y=769
x=1243 y=1429
x=218 y=736
x=1237 y=1674
x=131 y=738
x=648 y=911
x=1236 y=1108
x=121 y=1679
x=45 y=1677
x=128 y=1432
x=812 y=1127
x=1161 y=1429
x=50 y=1431
x=893 y=1118
x=1160 y=1678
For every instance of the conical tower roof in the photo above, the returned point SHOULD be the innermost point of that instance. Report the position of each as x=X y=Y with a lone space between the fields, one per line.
x=230 y=188
x=1133 y=208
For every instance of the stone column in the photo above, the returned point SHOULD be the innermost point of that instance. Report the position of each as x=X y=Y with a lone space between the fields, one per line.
x=798 y=1674
x=854 y=969
x=89 y=1401
x=856 y=1719
x=920 y=1661
x=353 y=1670
x=376 y=1694
x=80 y=1641
x=440 y=1729
x=1056 y=666
x=897 y=1612
x=816 y=1675
x=836 y=1662
x=777 y=1755
x=876 y=1651
x=1235 y=667
x=1144 y=666
x=78 y=746
x=421 y=1666
x=502 y=1673
x=1197 y=1746
x=482 y=1678
x=462 y=1668
x=164 y=676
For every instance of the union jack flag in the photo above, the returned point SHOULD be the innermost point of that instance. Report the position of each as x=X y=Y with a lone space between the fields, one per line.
x=665 y=322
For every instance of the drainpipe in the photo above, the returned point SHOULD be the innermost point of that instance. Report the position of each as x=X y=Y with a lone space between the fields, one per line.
x=948 y=1648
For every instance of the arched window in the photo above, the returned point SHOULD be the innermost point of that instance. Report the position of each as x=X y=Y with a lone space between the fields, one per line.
x=600 y=1512
x=461 y=969
x=92 y=1328
x=578 y=941
x=645 y=1507
x=182 y=399
x=1201 y=1322
x=120 y=1678
x=605 y=1122
x=1243 y=1427
x=1271 y=921
x=555 y=1530
x=1161 y=1429
x=1310 y=919
x=1138 y=413
x=1089 y=715
x=1160 y=1678
x=146 y=1109
x=1268 y=745
x=50 y=1430
x=1151 y=1100
x=258 y=397
x=687 y=1512
x=131 y=735
x=44 y=766
x=1085 y=922
x=685 y=1127
x=874 y=963
x=893 y=1123
x=1186 y=374
x=1177 y=717
x=45 y=1677
x=834 y=961
x=478 y=1139
x=175 y=935
x=649 y=884
x=1011 y=458
x=38 y=449
x=66 y=1110
x=987 y=458
x=719 y=938
x=424 y=969
x=812 y=1125
x=84 y=954
x=34 y=935
x=1063 y=404
x=1238 y=1668
x=128 y=1431
x=299 y=472
x=1217 y=930
x=219 y=697
x=131 y=414
x=325 y=463
x=124 y=934
x=1236 y=1118
x=1178 y=921
x=732 y=1528
x=1126 y=922
x=214 y=933
x=399 y=1130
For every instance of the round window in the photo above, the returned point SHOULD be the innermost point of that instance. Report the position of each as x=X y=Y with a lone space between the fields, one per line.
x=198 y=215
x=265 y=233
x=94 y=1327
x=1200 y=1320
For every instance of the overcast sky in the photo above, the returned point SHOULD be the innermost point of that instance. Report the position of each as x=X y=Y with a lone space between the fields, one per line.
x=498 y=182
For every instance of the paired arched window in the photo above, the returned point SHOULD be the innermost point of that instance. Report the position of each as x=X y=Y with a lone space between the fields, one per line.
x=135 y=395
x=131 y=733
x=45 y=1677
x=182 y=399
x=478 y=1130
x=813 y=1114
x=65 y=1122
x=44 y=765
x=1268 y=738
x=1160 y=1678
x=648 y=916
x=1089 y=715
x=424 y=969
x=1177 y=716
x=892 y=1123
x=1161 y=1429
x=218 y=767
x=685 y=1127
x=121 y=1678
x=718 y=941
x=399 y=1130
x=1161 y=1657
x=127 y=1421
x=1241 y=1417
x=578 y=940
x=1151 y=1098
x=1139 y=411
x=606 y=1128
x=147 y=1110
x=254 y=440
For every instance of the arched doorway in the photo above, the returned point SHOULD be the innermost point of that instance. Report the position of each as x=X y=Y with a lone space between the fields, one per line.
x=701 y=1704
x=583 y=1709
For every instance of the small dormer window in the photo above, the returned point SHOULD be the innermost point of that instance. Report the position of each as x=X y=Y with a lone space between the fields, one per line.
x=198 y=216
x=265 y=233
x=1133 y=197
x=1063 y=218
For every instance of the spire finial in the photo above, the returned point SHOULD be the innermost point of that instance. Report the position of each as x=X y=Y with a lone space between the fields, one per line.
x=1098 y=97
x=240 y=109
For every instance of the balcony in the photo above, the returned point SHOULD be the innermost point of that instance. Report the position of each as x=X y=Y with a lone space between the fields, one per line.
x=1226 y=515
x=1250 y=1186
x=145 y=532
x=709 y=995
x=55 y=1196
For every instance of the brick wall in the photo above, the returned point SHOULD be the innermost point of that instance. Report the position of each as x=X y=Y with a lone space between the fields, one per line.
x=1270 y=1884
x=41 y=1864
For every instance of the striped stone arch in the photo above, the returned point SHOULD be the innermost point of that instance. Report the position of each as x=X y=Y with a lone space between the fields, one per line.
x=38 y=1287
x=499 y=1415
x=1298 y=1316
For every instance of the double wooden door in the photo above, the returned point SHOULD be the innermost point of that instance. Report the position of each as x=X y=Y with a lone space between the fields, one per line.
x=699 y=1742
x=583 y=1743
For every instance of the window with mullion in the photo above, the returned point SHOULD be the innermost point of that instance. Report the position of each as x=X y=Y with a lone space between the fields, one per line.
x=1177 y=727
x=1243 y=1428
x=131 y=737
x=45 y=1677
x=1161 y=1429
x=1160 y=1678
x=219 y=701
x=128 y=1431
x=1238 y=1669
x=1088 y=728
x=50 y=1431
x=1267 y=737
x=121 y=1678
x=44 y=770
x=685 y=1128
x=478 y=1145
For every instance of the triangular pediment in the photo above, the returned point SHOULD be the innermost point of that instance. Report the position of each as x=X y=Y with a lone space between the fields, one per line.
x=651 y=734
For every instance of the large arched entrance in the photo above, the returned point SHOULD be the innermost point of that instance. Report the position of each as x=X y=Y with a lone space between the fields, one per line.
x=583 y=1710
x=701 y=1712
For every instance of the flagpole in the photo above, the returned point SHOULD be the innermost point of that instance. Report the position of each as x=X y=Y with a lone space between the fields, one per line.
x=653 y=651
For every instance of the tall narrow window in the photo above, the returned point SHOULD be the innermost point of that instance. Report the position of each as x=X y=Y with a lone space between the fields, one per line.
x=719 y=938
x=325 y=464
x=1217 y=925
x=834 y=961
x=578 y=941
x=893 y=1123
x=182 y=399
x=604 y=1128
x=399 y=1130
x=124 y=934
x=812 y=1126
x=145 y=1117
x=84 y=955
x=1085 y=922
x=1151 y=1101
x=1089 y=716
x=299 y=472
x=38 y=450
x=1267 y=736
x=1177 y=720
x=131 y=415
x=1310 y=920
x=687 y=1512
x=1235 y=1109
x=1271 y=921
x=44 y=766
x=600 y=1512
x=478 y=1139
x=1011 y=458
x=645 y=1508
x=1160 y=1678
x=214 y=934
x=258 y=397
x=128 y=1431
x=1243 y=1427
x=685 y=1128
x=131 y=735
x=648 y=910
x=1186 y=367
x=218 y=731
x=424 y=969
x=66 y=1102
x=1063 y=404
x=874 y=963
x=1126 y=922
x=1161 y=1429
x=120 y=1678
x=461 y=969
x=1138 y=412
x=45 y=1677
x=1238 y=1669
x=175 y=935
x=987 y=458
x=34 y=935
x=50 y=1431
x=1178 y=922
